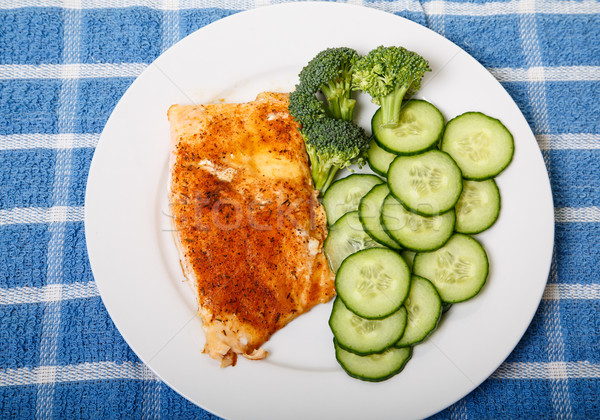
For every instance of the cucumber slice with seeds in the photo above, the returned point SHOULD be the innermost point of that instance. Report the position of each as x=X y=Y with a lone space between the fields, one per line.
x=478 y=207
x=481 y=145
x=369 y=212
x=373 y=283
x=424 y=307
x=346 y=237
x=420 y=127
x=365 y=336
x=458 y=270
x=345 y=194
x=413 y=231
x=379 y=160
x=374 y=367
x=428 y=184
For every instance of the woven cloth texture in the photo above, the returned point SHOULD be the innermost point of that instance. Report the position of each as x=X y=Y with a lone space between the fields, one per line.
x=65 y=65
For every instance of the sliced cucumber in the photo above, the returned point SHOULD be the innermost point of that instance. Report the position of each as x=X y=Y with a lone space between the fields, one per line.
x=379 y=160
x=478 y=207
x=409 y=257
x=374 y=367
x=373 y=283
x=346 y=237
x=365 y=336
x=424 y=307
x=420 y=127
x=458 y=270
x=413 y=231
x=428 y=184
x=481 y=145
x=345 y=194
x=369 y=212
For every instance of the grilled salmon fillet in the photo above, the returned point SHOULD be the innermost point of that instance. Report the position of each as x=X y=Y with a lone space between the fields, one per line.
x=247 y=223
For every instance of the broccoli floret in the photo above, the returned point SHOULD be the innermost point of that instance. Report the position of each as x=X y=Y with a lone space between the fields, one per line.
x=333 y=144
x=387 y=74
x=330 y=72
x=332 y=140
x=304 y=106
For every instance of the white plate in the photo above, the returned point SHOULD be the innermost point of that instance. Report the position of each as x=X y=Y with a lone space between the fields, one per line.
x=136 y=268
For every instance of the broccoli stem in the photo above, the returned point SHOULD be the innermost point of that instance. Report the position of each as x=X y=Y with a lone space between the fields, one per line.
x=333 y=108
x=322 y=173
x=338 y=102
x=326 y=182
x=391 y=105
x=340 y=108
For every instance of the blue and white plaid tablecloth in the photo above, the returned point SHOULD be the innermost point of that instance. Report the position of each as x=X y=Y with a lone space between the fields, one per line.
x=65 y=64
